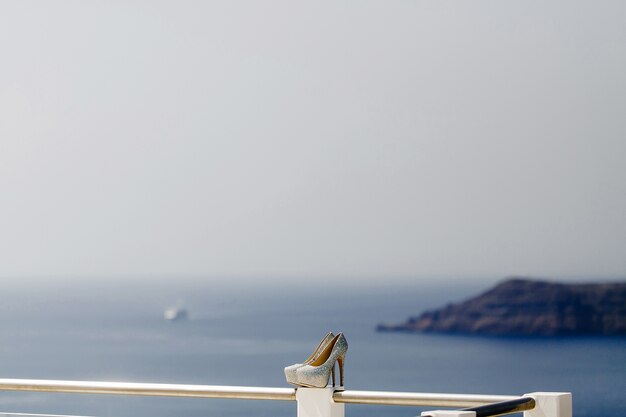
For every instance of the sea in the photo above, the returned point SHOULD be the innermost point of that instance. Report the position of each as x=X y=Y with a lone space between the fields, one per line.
x=244 y=334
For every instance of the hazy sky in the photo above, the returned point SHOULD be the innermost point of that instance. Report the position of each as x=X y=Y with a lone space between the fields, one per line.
x=323 y=138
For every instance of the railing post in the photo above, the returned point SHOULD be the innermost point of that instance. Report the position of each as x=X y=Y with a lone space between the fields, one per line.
x=449 y=413
x=550 y=404
x=318 y=402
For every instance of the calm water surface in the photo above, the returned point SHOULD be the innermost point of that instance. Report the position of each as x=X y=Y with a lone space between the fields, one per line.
x=246 y=336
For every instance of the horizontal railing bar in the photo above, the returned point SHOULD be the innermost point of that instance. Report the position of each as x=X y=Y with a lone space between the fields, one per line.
x=249 y=393
x=416 y=398
x=5 y=413
x=168 y=390
x=504 y=407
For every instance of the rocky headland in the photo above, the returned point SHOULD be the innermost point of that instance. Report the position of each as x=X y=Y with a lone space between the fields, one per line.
x=527 y=307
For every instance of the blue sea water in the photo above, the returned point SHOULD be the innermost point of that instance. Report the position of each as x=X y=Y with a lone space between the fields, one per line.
x=246 y=335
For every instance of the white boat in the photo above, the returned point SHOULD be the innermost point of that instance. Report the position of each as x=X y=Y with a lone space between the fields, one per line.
x=175 y=314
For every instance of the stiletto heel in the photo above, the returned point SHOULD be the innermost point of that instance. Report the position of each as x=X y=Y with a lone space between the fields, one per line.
x=290 y=371
x=340 y=361
x=316 y=373
x=332 y=372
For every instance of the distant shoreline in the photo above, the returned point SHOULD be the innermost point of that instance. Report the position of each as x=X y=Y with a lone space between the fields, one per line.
x=528 y=308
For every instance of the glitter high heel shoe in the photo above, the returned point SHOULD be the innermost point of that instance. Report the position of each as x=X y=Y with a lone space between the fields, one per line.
x=316 y=373
x=290 y=371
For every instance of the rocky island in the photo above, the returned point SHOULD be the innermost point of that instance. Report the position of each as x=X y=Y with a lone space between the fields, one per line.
x=526 y=307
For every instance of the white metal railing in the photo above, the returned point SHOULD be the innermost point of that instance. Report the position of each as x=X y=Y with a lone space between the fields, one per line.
x=10 y=414
x=130 y=388
x=320 y=402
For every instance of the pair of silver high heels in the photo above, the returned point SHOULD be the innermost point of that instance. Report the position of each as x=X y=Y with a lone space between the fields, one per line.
x=314 y=371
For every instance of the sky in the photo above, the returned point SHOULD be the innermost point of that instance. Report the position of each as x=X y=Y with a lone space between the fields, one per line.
x=288 y=140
